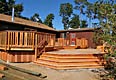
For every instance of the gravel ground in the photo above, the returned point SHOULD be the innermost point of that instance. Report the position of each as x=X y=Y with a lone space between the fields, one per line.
x=13 y=74
x=79 y=74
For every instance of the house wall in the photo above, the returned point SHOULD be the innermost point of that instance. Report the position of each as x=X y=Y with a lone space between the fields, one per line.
x=3 y=55
x=89 y=36
x=20 y=56
x=81 y=34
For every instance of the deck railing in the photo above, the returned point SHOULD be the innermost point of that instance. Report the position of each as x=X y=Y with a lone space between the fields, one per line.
x=3 y=39
x=79 y=43
x=24 y=39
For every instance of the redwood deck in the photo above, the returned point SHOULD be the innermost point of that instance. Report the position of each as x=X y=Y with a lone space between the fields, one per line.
x=71 y=59
x=76 y=51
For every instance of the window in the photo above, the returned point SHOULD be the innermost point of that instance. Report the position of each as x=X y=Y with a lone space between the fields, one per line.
x=63 y=35
x=73 y=35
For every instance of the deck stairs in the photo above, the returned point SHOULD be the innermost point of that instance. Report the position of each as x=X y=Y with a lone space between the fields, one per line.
x=70 y=61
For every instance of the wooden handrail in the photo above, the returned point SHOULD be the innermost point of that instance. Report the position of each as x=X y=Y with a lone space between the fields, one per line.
x=24 y=39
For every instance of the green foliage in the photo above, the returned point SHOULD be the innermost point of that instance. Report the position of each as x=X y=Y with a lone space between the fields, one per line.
x=74 y=22
x=48 y=20
x=83 y=24
x=36 y=18
x=6 y=7
x=3 y=6
x=105 y=10
x=89 y=13
x=18 y=10
x=66 y=10
x=81 y=5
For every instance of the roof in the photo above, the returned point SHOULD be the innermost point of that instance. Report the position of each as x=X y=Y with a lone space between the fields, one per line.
x=21 y=21
x=77 y=30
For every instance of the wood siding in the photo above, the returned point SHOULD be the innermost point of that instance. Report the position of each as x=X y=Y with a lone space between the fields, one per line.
x=3 y=55
x=17 y=56
x=88 y=36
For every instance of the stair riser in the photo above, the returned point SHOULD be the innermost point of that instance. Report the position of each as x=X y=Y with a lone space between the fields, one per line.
x=67 y=67
x=70 y=59
x=68 y=63
x=70 y=56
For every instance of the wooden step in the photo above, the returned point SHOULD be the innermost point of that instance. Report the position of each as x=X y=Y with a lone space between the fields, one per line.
x=68 y=67
x=54 y=63
x=70 y=59
x=72 y=55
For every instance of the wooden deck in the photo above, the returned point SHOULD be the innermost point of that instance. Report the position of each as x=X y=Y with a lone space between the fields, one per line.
x=72 y=59
x=24 y=40
x=75 y=51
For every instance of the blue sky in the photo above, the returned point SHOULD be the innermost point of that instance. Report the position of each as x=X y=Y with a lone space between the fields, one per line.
x=45 y=7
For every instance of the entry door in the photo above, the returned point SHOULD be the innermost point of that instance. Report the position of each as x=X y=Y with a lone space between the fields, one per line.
x=72 y=39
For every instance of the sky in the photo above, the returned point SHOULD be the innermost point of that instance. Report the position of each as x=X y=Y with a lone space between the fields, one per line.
x=45 y=7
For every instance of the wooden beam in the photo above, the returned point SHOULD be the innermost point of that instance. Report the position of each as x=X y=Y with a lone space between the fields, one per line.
x=33 y=40
x=8 y=40
x=36 y=47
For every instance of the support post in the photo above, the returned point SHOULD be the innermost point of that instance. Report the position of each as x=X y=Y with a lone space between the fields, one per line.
x=36 y=47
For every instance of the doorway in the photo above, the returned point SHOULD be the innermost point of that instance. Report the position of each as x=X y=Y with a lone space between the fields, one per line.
x=72 y=39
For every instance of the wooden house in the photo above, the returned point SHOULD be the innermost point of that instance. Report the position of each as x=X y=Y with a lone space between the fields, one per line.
x=23 y=40
x=77 y=37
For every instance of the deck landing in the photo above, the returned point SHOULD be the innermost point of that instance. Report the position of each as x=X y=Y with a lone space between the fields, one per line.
x=76 y=51
x=72 y=59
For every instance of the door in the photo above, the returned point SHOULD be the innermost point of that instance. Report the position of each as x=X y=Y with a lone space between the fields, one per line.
x=72 y=39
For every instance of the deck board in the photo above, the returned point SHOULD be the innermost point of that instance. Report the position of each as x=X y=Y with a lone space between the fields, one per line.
x=76 y=51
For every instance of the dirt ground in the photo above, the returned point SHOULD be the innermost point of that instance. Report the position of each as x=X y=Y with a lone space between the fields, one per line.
x=12 y=74
x=78 y=74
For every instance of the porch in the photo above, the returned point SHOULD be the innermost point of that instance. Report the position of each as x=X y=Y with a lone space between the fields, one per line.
x=25 y=40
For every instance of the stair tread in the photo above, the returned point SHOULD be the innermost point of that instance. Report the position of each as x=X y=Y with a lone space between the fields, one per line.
x=69 y=67
x=70 y=56
x=69 y=60
x=67 y=63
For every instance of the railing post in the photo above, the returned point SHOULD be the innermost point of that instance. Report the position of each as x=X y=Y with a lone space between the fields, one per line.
x=8 y=39
x=33 y=40
x=16 y=38
x=36 y=47
x=21 y=38
x=54 y=40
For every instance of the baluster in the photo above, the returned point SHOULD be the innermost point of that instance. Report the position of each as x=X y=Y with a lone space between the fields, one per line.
x=33 y=40
x=8 y=39
x=25 y=39
x=16 y=38
x=21 y=38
